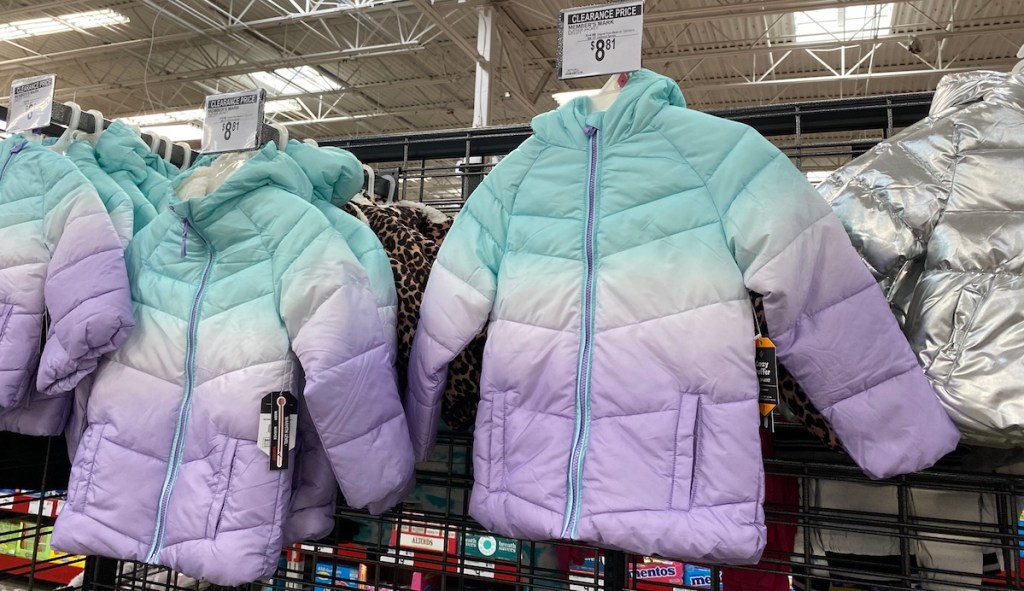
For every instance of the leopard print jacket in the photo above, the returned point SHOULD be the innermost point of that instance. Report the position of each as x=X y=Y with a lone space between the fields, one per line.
x=411 y=234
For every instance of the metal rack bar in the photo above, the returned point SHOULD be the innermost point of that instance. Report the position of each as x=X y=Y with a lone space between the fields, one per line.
x=879 y=112
x=61 y=118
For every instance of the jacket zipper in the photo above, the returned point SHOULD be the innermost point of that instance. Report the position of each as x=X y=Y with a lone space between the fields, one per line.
x=582 y=431
x=14 y=152
x=177 y=443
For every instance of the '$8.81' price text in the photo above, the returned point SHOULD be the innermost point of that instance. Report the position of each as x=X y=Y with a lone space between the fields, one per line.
x=601 y=47
x=228 y=127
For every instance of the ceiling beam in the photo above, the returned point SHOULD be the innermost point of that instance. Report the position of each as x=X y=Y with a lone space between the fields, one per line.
x=663 y=18
x=438 y=19
x=733 y=83
x=267 y=25
x=237 y=70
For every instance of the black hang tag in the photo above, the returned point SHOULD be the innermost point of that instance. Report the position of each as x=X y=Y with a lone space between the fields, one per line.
x=278 y=413
x=767 y=380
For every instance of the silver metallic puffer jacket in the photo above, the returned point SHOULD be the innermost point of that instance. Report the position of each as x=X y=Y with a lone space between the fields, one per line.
x=937 y=212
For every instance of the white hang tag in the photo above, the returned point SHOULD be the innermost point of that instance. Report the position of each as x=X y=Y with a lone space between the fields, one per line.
x=31 y=103
x=233 y=121
x=600 y=40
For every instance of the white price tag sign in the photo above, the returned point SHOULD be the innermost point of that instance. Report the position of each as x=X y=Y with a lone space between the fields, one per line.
x=233 y=121
x=31 y=103
x=600 y=40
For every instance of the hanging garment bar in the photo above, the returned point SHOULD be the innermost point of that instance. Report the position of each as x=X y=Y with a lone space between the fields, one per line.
x=61 y=118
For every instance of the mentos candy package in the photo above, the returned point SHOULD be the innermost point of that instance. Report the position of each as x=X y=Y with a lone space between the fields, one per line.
x=697 y=576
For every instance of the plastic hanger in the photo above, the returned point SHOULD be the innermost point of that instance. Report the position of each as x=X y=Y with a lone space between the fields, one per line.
x=609 y=92
x=94 y=137
x=1020 y=65
x=154 y=143
x=282 y=136
x=168 y=150
x=311 y=142
x=186 y=157
x=65 y=138
x=391 y=188
x=371 y=180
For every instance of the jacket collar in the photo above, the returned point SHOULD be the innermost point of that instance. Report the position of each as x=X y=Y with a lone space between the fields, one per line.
x=640 y=100
x=268 y=167
x=965 y=87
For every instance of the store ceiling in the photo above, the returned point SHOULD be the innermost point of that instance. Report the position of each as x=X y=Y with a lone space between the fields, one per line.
x=350 y=67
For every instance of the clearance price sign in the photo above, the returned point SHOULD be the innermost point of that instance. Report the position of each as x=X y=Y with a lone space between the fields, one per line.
x=600 y=40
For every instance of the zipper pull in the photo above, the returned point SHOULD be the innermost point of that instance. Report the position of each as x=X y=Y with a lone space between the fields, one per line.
x=590 y=130
x=18 y=147
x=184 y=236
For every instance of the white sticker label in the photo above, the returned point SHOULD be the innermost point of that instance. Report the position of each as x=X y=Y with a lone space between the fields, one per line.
x=600 y=40
x=475 y=568
x=31 y=103
x=263 y=434
x=406 y=557
x=233 y=121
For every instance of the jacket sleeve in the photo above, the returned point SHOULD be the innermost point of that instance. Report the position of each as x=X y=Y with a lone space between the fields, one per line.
x=456 y=304
x=86 y=290
x=890 y=198
x=830 y=322
x=351 y=388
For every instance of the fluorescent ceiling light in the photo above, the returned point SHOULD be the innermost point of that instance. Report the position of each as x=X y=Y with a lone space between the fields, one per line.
x=315 y=6
x=60 y=24
x=182 y=132
x=302 y=79
x=816 y=177
x=196 y=115
x=563 y=97
x=282 y=106
x=165 y=118
x=844 y=24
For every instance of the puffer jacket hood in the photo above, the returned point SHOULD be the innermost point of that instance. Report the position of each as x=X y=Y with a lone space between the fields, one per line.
x=144 y=176
x=242 y=290
x=118 y=203
x=336 y=174
x=64 y=297
x=611 y=254
x=956 y=90
x=936 y=213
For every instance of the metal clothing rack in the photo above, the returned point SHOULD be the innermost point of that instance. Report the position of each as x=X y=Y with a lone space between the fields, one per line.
x=61 y=118
x=431 y=541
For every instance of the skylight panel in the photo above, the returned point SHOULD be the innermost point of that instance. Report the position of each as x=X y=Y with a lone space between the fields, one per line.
x=846 y=23
x=66 y=22
x=300 y=80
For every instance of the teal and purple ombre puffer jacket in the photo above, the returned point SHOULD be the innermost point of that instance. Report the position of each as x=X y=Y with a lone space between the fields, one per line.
x=611 y=256
x=240 y=291
x=59 y=254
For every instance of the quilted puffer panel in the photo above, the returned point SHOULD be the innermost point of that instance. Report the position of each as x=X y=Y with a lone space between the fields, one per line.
x=62 y=256
x=611 y=255
x=240 y=293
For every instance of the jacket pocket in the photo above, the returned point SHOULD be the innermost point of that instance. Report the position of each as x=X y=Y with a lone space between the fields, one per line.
x=490 y=443
x=685 y=451
x=727 y=453
x=944 y=363
x=6 y=310
x=82 y=471
x=221 y=486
